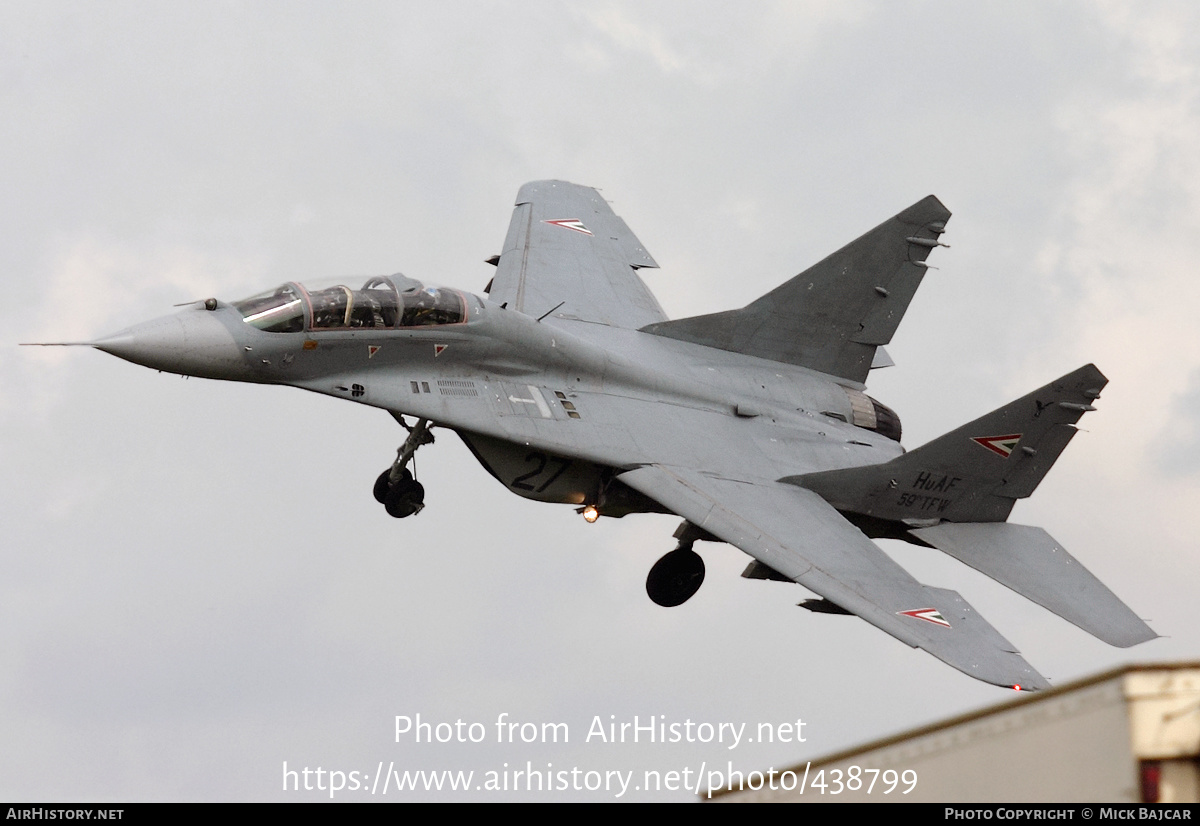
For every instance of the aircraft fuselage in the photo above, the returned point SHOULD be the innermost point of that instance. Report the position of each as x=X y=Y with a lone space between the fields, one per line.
x=520 y=390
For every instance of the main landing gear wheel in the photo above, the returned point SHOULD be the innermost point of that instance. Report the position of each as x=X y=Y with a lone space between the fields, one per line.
x=675 y=578
x=678 y=575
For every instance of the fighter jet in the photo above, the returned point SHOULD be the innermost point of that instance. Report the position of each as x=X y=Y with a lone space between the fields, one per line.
x=570 y=385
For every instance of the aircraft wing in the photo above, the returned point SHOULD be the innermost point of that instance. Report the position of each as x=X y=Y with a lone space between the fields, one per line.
x=800 y=535
x=566 y=251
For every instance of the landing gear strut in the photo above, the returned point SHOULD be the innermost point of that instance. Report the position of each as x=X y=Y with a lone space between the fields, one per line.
x=396 y=489
x=678 y=575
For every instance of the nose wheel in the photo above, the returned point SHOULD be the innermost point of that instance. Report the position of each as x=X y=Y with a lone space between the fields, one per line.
x=405 y=497
x=400 y=494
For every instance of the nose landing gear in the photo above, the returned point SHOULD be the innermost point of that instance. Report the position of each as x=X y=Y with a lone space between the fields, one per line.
x=400 y=494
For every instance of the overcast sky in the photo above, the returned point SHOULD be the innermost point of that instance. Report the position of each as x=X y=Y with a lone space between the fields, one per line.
x=197 y=585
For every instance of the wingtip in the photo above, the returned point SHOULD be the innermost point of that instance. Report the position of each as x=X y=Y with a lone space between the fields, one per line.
x=1029 y=680
x=531 y=190
x=926 y=211
x=1018 y=676
x=1100 y=375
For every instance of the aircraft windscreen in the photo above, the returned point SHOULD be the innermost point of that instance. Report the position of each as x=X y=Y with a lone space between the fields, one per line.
x=280 y=311
x=388 y=302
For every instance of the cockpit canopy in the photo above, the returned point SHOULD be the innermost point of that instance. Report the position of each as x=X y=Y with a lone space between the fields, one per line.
x=388 y=302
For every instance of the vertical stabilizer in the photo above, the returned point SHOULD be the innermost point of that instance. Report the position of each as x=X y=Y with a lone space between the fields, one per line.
x=972 y=474
x=834 y=315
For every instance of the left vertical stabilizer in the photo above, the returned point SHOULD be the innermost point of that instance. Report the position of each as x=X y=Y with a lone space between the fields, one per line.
x=972 y=474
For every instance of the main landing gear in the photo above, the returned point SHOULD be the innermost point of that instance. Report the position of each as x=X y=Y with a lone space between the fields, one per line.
x=396 y=489
x=678 y=575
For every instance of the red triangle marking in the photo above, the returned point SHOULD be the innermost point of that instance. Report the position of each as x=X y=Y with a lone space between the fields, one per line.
x=570 y=223
x=372 y=349
x=928 y=614
x=1000 y=445
x=438 y=348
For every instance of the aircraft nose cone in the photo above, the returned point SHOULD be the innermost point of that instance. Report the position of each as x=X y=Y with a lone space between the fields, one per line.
x=192 y=343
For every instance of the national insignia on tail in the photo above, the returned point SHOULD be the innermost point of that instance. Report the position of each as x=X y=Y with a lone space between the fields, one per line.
x=1000 y=445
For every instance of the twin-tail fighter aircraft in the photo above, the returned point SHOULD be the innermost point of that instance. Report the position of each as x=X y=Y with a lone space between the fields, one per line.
x=570 y=385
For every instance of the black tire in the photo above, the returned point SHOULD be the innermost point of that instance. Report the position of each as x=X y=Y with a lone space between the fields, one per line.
x=381 y=484
x=405 y=498
x=675 y=578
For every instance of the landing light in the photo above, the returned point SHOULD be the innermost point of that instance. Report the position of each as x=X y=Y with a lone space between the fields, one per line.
x=590 y=513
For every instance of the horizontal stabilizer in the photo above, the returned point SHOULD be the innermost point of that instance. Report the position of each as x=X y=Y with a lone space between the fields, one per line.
x=1030 y=562
x=972 y=474
x=834 y=315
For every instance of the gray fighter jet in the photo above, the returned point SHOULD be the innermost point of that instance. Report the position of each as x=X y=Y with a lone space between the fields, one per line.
x=570 y=385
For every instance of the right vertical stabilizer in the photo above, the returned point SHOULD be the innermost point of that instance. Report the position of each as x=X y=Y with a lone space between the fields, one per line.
x=833 y=316
x=974 y=473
